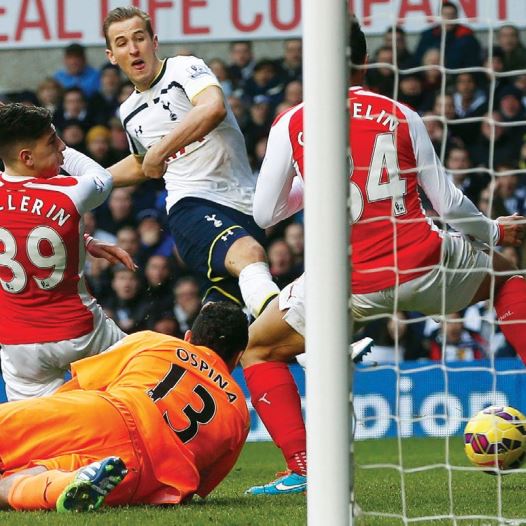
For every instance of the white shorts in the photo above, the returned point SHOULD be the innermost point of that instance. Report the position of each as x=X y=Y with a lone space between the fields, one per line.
x=448 y=288
x=37 y=369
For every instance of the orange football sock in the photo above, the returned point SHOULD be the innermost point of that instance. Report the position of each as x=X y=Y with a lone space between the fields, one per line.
x=39 y=492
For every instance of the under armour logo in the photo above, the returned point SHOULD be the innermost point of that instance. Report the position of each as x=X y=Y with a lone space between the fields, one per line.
x=217 y=222
x=166 y=106
x=225 y=236
x=263 y=399
x=138 y=131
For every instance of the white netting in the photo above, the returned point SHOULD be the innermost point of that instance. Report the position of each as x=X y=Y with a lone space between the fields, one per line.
x=399 y=479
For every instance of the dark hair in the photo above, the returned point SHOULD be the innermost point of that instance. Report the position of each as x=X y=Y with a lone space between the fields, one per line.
x=21 y=124
x=358 y=44
x=75 y=50
x=125 y=13
x=450 y=4
x=223 y=327
x=243 y=42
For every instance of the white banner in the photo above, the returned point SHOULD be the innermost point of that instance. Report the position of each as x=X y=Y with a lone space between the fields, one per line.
x=41 y=23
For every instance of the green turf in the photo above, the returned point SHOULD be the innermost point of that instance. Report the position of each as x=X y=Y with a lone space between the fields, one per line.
x=377 y=490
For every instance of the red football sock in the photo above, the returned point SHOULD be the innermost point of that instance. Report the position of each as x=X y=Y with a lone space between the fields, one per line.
x=510 y=305
x=276 y=399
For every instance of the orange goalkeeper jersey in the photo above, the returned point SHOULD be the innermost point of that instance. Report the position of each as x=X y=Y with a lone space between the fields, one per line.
x=190 y=413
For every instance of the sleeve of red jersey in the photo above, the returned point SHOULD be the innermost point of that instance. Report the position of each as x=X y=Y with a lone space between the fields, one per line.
x=279 y=190
x=448 y=200
x=94 y=183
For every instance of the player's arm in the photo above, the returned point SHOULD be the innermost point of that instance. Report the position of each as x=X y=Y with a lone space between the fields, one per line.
x=208 y=112
x=128 y=171
x=449 y=201
x=279 y=190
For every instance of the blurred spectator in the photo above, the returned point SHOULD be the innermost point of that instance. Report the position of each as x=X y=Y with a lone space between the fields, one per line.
x=390 y=335
x=126 y=304
x=453 y=341
x=118 y=140
x=187 y=302
x=74 y=108
x=380 y=78
x=437 y=134
x=240 y=111
x=513 y=50
x=220 y=70
x=462 y=49
x=159 y=291
x=167 y=324
x=103 y=104
x=410 y=91
x=520 y=83
x=493 y=135
x=512 y=111
x=264 y=81
x=77 y=72
x=290 y=66
x=508 y=198
x=470 y=101
x=259 y=154
x=458 y=162
x=431 y=77
x=74 y=135
x=125 y=91
x=281 y=263
x=259 y=123
x=293 y=94
x=494 y=65
x=294 y=237
x=241 y=63
x=403 y=57
x=154 y=240
x=49 y=94
x=128 y=239
x=118 y=213
x=98 y=146
x=91 y=228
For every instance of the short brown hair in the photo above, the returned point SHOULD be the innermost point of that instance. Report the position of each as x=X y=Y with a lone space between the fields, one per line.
x=125 y=13
x=21 y=124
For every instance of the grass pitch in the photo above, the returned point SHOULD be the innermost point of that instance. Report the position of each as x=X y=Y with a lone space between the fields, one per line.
x=377 y=490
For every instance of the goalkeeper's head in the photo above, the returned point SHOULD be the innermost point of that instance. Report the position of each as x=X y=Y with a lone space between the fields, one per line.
x=357 y=52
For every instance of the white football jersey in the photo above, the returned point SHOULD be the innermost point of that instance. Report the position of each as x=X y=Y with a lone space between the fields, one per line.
x=215 y=167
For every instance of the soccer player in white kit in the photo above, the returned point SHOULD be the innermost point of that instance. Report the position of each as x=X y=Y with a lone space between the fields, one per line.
x=48 y=318
x=180 y=127
x=400 y=260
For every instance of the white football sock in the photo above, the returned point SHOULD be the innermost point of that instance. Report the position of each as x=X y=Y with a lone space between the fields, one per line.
x=257 y=287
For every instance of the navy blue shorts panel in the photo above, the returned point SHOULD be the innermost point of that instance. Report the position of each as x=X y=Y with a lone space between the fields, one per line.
x=203 y=232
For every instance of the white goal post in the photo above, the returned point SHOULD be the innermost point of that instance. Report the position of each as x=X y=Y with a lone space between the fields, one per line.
x=326 y=261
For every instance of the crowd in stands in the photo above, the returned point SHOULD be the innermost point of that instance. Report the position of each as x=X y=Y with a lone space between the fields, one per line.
x=465 y=113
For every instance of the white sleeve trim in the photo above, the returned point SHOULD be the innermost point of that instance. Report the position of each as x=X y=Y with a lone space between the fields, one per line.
x=447 y=200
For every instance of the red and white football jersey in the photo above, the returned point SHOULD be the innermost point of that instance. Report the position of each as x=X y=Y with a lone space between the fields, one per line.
x=43 y=294
x=390 y=156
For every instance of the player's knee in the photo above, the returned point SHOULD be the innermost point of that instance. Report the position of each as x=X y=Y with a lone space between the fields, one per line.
x=246 y=251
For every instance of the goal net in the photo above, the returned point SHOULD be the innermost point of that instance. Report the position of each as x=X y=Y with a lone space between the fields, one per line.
x=428 y=376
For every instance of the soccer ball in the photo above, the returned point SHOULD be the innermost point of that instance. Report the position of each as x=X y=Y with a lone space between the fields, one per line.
x=496 y=437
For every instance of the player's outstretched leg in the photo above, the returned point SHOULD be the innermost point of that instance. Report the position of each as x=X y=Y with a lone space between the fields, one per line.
x=92 y=485
x=286 y=484
x=357 y=351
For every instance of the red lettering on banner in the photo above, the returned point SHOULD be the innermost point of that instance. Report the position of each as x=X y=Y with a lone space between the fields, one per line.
x=39 y=23
x=153 y=5
x=283 y=26
x=188 y=29
x=503 y=10
x=469 y=7
x=367 y=10
x=407 y=6
x=3 y=38
x=241 y=26
x=63 y=33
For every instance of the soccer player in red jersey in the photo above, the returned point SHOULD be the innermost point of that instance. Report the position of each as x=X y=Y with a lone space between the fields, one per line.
x=400 y=260
x=48 y=317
